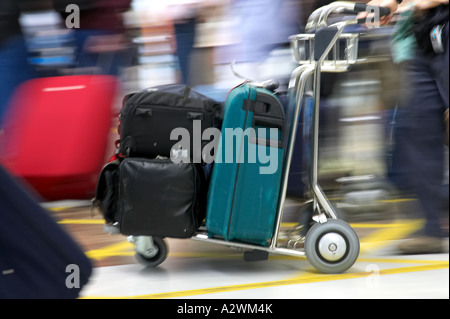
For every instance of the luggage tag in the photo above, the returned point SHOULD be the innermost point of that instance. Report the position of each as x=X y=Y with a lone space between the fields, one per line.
x=436 y=39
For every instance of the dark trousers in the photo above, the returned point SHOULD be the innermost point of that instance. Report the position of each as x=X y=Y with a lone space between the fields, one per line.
x=185 y=38
x=418 y=158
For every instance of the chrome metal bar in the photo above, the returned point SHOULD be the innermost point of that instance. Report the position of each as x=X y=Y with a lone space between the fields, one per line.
x=298 y=81
x=315 y=125
x=333 y=7
x=269 y=249
x=287 y=251
x=311 y=23
x=319 y=196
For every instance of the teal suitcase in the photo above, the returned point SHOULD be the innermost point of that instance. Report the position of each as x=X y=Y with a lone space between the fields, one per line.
x=245 y=182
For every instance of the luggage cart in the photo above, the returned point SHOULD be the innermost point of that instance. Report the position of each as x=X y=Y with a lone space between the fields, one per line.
x=330 y=245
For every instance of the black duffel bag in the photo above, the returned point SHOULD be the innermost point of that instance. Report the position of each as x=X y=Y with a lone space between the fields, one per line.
x=148 y=118
x=153 y=197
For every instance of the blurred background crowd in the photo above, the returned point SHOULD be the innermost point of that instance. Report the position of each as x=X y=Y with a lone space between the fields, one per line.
x=148 y=42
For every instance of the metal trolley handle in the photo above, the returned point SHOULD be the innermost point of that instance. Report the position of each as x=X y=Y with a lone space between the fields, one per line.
x=320 y=44
x=325 y=42
x=320 y=16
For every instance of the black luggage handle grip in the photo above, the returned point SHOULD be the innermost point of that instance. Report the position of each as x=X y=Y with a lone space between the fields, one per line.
x=194 y=116
x=144 y=112
x=267 y=123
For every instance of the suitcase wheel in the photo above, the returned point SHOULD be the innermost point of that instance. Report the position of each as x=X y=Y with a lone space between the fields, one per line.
x=332 y=247
x=150 y=251
x=255 y=255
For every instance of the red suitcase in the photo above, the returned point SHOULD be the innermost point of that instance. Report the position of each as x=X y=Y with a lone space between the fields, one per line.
x=57 y=132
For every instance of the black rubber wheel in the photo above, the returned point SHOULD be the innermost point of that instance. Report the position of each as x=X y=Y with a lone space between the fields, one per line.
x=255 y=255
x=158 y=258
x=332 y=247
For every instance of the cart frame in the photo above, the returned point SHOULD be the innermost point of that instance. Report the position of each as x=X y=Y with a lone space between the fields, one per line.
x=337 y=241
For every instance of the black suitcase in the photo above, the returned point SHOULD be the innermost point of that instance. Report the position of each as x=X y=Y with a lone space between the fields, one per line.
x=38 y=259
x=148 y=118
x=153 y=197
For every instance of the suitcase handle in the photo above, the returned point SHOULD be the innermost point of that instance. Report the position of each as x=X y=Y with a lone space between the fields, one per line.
x=267 y=122
x=141 y=111
x=267 y=113
x=194 y=116
x=264 y=105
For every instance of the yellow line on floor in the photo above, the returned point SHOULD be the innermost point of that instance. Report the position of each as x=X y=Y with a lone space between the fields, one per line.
x=124 y=248
x=400 y=261
x=383 y=237
x=58 y=209
x=310 y=278
x=399 y=200
x=82 y=221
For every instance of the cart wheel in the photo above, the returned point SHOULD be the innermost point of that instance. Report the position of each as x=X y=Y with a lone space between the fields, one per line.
x=156 y=259
x=332 y=247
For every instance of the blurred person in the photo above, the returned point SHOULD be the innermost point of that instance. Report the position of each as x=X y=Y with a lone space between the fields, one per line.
x=185 y=15
x=265 y=25
x=418 y=157
x=14 y=66
x=100 y=38
x=260 y=27
x=189 y=18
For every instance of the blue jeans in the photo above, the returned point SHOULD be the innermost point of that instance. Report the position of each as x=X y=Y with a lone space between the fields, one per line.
x=185 y=37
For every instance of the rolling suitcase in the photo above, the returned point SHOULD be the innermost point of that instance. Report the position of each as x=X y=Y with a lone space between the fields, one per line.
x=38 y=258
x=57 y=133
x=245 y=182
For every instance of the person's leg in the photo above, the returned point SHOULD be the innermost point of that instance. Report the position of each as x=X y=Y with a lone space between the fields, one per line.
x=185 y=38
x=400 y=164
x=426 y=152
